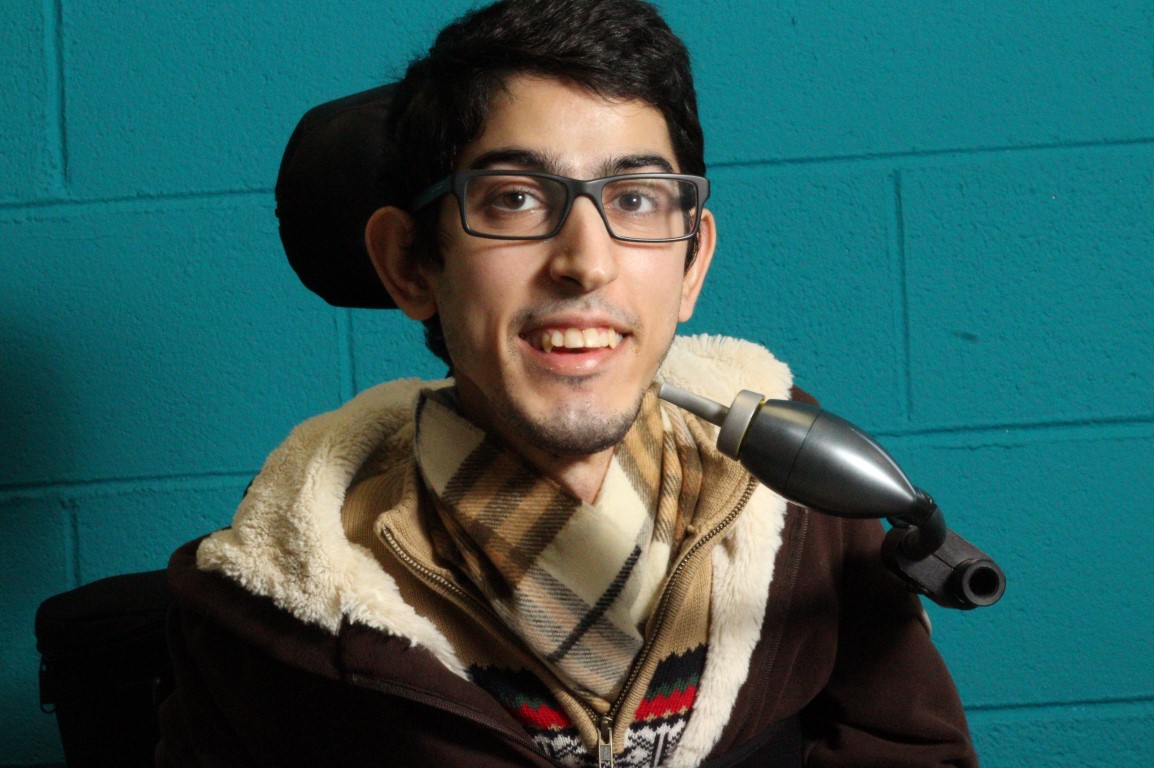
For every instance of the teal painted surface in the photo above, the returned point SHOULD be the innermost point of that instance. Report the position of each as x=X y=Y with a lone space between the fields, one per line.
x=29 y=144
x=942 y=215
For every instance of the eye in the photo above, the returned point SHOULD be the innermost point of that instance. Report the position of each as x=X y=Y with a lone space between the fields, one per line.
x=503 y=195
x=514 y=200
x=634 y=201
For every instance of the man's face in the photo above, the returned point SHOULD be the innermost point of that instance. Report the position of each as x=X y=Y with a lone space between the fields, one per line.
x=505 y=305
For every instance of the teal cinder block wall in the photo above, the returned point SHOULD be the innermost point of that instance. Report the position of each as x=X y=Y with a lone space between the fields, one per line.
x=940 y=213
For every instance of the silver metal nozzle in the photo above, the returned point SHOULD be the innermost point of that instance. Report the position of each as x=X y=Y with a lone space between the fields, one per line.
x=707 y=409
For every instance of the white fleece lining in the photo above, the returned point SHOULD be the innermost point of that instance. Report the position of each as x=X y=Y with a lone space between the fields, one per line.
x=719 y=368
x=287 y=542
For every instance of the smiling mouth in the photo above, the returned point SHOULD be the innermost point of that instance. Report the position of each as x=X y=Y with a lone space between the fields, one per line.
x=574 y=339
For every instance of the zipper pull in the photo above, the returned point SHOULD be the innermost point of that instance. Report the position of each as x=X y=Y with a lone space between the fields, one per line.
x=604 y=742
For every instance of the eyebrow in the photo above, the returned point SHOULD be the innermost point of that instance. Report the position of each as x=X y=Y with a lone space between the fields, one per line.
x=636 y=162
x=519 y=158
x=535 y=161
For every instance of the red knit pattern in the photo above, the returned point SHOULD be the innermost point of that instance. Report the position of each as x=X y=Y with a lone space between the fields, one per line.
x=543 y=717
x=665 y=705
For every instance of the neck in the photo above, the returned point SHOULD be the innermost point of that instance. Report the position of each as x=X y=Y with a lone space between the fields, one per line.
x=581 y=476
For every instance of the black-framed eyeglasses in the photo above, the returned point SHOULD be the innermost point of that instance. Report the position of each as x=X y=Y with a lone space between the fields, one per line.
x=528 y=205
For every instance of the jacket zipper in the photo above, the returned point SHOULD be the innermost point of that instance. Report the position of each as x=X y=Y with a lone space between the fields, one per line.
x=605 y=723
x=465 y=598
x=605 y=742
x=662 y=609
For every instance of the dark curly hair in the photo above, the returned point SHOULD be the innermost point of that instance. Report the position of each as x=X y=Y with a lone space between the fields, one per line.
x=618 y=49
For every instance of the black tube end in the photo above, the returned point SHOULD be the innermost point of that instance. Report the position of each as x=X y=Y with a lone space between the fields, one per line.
x=978 y=583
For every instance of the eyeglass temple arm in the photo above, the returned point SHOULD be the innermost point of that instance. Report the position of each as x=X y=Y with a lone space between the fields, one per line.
x=440 y=189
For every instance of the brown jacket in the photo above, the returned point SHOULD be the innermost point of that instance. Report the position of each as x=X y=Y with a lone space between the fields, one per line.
x=291 y=649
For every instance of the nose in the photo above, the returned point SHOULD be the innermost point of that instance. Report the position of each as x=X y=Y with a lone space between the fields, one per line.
x=584 y=252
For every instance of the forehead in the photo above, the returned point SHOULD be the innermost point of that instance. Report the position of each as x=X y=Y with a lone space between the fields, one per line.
x=577 y=132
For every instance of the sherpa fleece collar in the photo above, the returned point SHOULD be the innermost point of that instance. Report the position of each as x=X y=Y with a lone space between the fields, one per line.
x=287 y=542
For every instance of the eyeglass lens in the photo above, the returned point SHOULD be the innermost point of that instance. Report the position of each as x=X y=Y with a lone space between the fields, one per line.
x=638 y=207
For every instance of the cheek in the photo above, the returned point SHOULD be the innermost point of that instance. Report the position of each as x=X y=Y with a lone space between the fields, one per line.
x=663 y=288
x=474 y=303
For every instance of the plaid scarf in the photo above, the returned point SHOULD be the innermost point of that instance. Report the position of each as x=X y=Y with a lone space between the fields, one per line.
x=575 y=581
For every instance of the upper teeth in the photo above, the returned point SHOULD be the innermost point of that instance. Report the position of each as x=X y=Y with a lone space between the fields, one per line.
x=576 y=338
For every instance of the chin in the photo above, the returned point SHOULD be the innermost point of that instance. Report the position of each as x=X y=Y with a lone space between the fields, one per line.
x=574 y=431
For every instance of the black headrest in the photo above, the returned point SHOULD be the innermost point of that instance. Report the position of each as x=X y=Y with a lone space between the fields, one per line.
x=330 y=182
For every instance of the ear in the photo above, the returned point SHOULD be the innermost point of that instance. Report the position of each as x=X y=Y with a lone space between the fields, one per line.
x=694 y=276
x=388 y=238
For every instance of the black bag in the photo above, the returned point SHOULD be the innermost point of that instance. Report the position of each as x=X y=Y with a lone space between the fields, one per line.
x=105 y=667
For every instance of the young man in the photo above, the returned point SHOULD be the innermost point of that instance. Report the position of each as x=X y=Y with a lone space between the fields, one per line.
x=535 y=562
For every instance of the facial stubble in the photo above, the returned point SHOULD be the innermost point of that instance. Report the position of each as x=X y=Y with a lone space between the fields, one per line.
x=569 y=430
